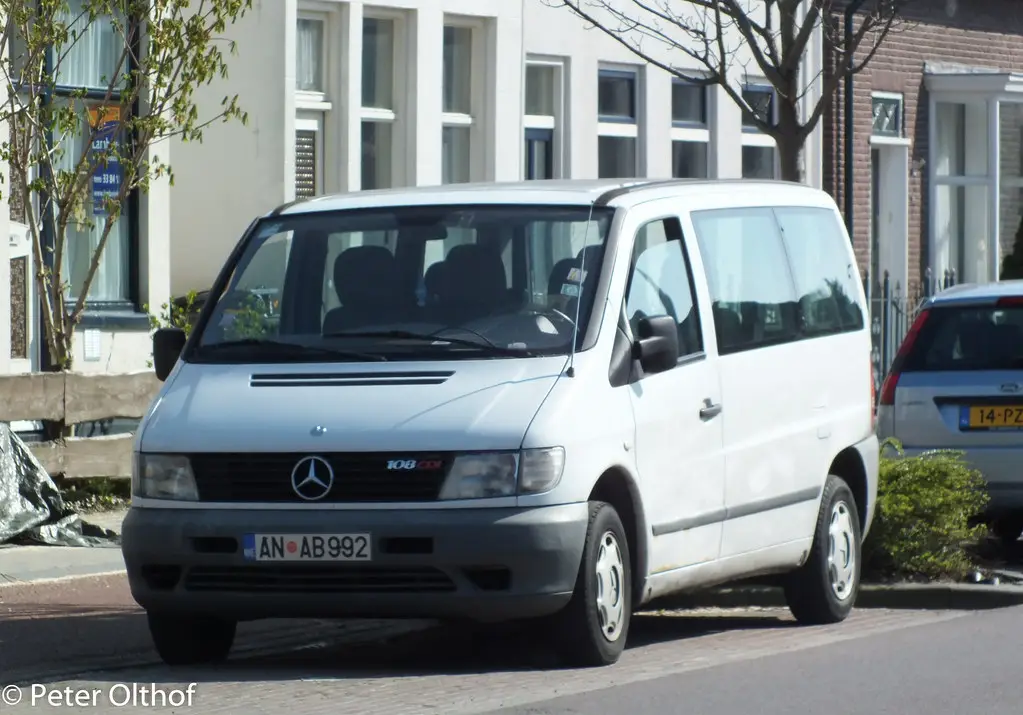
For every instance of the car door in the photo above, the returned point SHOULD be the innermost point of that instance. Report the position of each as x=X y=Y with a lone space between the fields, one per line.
x=769 y=400
x=678 y=427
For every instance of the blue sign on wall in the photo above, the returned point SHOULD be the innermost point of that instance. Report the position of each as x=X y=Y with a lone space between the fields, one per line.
x=106 y=179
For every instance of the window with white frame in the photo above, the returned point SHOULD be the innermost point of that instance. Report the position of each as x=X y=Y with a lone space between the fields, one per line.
x=543 y=107
x=383 y=89
x=311 y=101
x=617 y=123
x=690 y=131
x=759 y=151
x=461 y=39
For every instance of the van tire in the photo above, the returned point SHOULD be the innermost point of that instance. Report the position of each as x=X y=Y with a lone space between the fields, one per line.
x=581 y=639
x=812 y=591
x=191 y=640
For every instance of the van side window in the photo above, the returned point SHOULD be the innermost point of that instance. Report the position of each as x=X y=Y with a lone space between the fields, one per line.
x=660 y=283
x=824 y=273
x=754 y=300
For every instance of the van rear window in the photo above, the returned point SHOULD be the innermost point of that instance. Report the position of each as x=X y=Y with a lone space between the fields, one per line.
x=968 y=339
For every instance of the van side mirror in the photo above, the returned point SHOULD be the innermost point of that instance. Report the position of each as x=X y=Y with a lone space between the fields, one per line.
x=167 y=346
x=656 y=345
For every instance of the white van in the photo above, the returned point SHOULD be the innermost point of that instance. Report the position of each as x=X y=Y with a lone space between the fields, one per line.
x=544 y=401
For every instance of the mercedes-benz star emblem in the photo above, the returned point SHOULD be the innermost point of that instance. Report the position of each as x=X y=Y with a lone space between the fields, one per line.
x=312 y=478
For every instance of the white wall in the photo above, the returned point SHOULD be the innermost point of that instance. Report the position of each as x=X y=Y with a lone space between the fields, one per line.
x=237 y=171
x=556 y=32
x=240 y=172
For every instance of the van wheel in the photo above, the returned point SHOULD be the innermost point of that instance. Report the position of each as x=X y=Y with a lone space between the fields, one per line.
x=824 y=589
x=191 y=640
x=593 y=627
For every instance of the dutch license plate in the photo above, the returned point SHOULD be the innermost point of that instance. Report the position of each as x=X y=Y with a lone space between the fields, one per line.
x=995 y=417
x=308 y=547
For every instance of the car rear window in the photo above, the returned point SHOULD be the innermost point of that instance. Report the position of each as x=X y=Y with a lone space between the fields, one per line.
x=968 y=338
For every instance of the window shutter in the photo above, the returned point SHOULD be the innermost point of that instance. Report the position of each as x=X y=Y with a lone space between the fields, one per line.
x=19 y=307
x=305 y=164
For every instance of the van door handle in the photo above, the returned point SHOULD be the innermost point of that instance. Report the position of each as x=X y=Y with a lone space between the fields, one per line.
x=710 y=411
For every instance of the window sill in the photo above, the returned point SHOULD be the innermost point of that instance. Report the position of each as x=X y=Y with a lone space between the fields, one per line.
x=115 y=317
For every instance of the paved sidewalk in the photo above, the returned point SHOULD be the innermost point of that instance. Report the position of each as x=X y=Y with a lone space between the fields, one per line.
x=55 y=630
x=19 y=564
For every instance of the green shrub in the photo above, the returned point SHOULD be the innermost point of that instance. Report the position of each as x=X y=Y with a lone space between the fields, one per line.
x=250 y=316
x=924 y=519
x=180 y=313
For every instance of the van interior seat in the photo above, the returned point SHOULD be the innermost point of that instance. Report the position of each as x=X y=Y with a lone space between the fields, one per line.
x=473 y=283
x=588 y=260
x=366 y=281
x=729 y=327
x=1005 y=343
x=559 y=274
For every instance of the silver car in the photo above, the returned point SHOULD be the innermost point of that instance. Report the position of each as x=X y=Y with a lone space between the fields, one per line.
x=957 y=383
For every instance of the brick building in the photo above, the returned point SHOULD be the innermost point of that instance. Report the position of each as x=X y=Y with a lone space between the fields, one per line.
x=937 y=143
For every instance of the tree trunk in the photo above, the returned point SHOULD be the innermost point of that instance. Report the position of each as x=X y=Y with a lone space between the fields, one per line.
x=790 y=161
x=60 y=360
x=790 y=148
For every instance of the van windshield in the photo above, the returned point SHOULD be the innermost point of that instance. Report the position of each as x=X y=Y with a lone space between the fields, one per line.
x=415 y=282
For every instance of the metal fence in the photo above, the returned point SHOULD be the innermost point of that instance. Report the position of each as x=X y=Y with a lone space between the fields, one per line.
x=892 y=311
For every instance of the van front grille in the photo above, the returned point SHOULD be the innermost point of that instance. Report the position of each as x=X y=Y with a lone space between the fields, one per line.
x=357 y=477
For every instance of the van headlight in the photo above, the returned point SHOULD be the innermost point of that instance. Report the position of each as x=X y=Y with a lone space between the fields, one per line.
x=164 y=476
x=503 y=474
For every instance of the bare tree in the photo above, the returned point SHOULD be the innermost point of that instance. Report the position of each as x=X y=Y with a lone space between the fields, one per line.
x=713 y=39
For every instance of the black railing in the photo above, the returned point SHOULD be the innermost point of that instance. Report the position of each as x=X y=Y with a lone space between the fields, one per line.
x=892 y=311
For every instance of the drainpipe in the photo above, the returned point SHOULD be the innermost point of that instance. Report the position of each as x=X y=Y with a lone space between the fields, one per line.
x=847 y=142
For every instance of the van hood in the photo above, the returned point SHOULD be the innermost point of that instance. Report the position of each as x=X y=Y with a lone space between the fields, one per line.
x=460 y=405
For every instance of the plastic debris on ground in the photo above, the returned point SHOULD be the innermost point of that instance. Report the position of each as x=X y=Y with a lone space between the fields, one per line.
x=32 y=511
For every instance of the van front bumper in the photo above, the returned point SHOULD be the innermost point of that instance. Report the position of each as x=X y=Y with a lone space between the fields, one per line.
x=474 y=564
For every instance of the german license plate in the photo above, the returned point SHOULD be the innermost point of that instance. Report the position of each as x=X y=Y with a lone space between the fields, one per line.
x=995 y=417
x=307 y=547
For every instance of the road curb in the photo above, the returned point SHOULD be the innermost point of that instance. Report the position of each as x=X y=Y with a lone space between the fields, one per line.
x=939 y=596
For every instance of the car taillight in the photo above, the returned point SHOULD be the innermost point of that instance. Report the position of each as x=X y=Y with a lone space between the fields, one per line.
x=1010 y=301
x=892 y=380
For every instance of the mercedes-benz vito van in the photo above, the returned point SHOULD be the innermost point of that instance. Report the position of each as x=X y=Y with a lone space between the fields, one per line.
x=549 y=402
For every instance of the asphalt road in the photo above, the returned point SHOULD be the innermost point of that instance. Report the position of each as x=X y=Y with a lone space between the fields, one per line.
x=709 y=661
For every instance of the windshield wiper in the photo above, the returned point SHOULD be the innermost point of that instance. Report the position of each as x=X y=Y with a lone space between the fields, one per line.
x=486 y=346
x=284 y=347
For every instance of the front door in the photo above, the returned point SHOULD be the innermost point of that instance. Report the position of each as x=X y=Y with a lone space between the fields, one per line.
x=678 y=429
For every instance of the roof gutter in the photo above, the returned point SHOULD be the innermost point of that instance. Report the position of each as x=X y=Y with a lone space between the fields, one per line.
x=847 y=141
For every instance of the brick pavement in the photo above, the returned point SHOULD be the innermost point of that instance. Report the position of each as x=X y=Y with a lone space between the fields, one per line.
x=61 y=628
x=455 y=673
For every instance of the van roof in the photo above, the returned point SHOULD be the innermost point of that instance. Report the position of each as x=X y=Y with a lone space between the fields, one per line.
x=567 y=192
